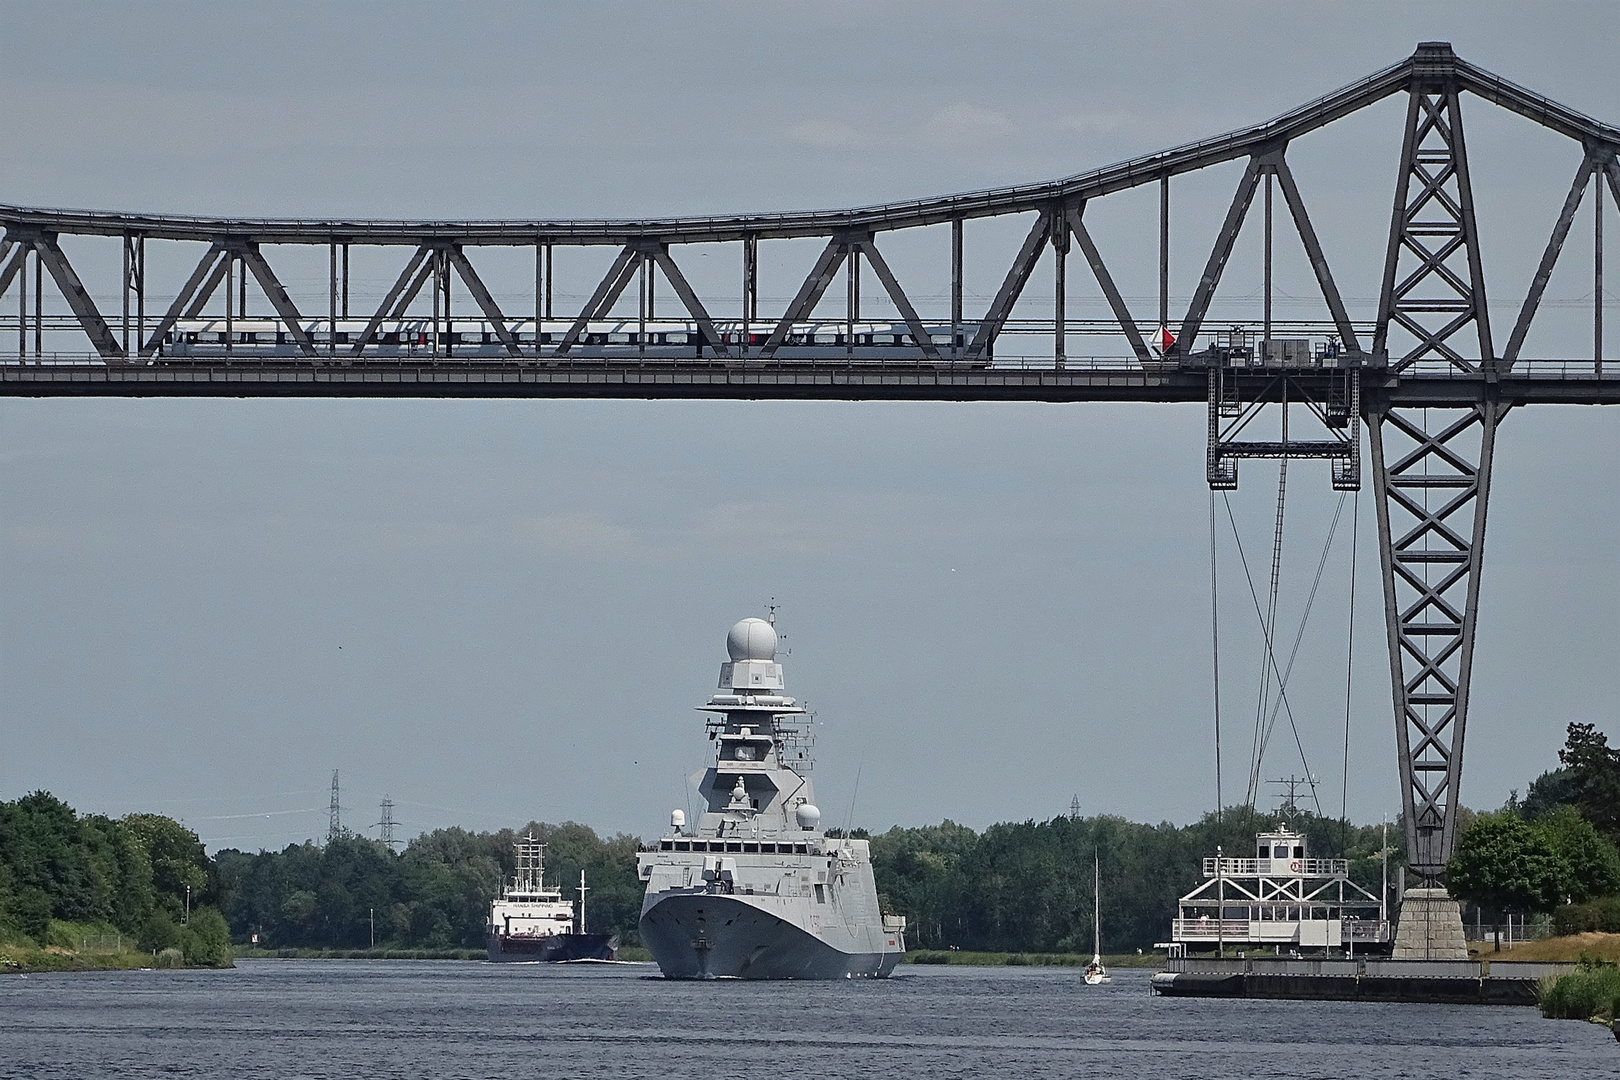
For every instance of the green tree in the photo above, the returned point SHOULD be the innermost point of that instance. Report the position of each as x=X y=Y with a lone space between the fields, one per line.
x=205 y=941
x=1594 y=777
x=1505 y=865
x=1593 y=862
x=177 y=858
x=1546 y=793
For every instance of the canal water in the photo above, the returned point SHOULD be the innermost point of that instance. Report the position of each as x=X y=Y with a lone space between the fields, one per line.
x=359 y=1019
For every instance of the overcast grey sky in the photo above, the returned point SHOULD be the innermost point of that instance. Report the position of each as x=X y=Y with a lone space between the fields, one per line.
x=498 y=611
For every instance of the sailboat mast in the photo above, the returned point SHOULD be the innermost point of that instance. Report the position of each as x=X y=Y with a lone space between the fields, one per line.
x=1096 y=909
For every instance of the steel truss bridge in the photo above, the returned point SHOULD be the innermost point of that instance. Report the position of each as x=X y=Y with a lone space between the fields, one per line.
x=1427 y=378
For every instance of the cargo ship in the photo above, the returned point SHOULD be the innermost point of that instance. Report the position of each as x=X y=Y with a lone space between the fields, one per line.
x=529 y=922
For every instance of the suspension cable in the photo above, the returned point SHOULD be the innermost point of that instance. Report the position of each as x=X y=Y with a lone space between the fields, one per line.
x=1349 y=658
x=1215 y=658
x=1255 y=596
x=1268 y=629
x=1299 y=634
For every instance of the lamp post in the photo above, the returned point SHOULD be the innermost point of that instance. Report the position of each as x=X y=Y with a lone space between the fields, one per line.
x=373 y=912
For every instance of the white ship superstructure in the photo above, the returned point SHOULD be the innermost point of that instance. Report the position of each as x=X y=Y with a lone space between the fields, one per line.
x=1281 y=897
x=755 y=889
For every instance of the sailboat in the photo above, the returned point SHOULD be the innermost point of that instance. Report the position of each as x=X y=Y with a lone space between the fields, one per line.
x=1095 y=971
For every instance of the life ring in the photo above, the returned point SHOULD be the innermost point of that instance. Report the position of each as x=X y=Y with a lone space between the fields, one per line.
x=1294 y=866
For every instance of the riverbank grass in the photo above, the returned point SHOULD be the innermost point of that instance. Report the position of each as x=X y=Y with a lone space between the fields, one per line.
x=70 y=946
x=1590 y=992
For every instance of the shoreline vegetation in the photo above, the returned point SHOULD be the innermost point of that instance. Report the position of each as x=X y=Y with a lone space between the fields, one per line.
x=1013 y=893
x=1591 y=992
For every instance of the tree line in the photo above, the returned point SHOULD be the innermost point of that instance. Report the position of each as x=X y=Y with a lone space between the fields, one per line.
x=1017 y=886
x=1556 y=851
x=143 y=876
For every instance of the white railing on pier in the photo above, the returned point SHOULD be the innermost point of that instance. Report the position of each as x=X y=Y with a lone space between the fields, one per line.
x=1276 y=867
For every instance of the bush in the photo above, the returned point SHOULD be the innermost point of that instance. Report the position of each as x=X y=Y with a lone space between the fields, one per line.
x=157 y=933
x=1591 y=991
x=1601 y=916
x=169 y=958
x=206 y=940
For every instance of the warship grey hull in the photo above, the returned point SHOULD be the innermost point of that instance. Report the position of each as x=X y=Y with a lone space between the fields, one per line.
x=709 y=936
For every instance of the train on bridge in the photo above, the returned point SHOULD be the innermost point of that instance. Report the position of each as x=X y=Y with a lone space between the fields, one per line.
x=421 y=337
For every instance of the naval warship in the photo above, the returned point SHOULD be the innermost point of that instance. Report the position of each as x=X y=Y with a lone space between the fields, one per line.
x=755 y=889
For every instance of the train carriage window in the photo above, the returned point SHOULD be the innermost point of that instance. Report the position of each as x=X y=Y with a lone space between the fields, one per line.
x=343 y=337
x=391 y=338
x=486 y=337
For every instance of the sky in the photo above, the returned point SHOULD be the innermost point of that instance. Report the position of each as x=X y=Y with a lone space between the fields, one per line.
x=493 y=612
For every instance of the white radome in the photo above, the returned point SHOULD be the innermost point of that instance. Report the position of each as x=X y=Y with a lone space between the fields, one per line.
x=752 y=639
x=809 y=816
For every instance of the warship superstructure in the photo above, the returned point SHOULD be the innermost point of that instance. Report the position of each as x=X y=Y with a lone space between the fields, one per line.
x=755 y=889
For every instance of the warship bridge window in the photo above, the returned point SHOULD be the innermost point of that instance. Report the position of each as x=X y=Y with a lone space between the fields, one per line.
x=751 y=847
x=821 y=894
x=683 y=845
x=666 y=845
x=801 y=849
x=733 y=845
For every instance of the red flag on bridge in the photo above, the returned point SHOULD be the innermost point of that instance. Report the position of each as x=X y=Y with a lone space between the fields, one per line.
x=1166 y=339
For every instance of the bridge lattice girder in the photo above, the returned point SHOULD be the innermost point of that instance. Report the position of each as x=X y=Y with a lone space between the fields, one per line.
x=1428 y=382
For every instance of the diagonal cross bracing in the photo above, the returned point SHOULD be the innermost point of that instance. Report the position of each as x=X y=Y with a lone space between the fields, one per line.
x=1105 y=281
x=1433 y=301
x=1012 y=285
x=276 y=293
x=213 y=257
x=1594 y=158
x=1219 y=254
x=902 y=303
x=606 y=295
x=1432 y=500
x=73 y=291
x=810 y=292
x=486 y=303
x=393 y=296
x=689 y=297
